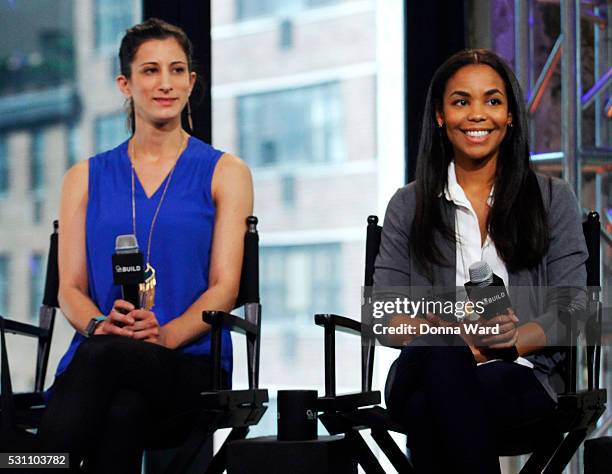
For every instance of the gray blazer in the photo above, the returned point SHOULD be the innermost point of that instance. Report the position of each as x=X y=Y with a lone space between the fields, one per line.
x=562 y=266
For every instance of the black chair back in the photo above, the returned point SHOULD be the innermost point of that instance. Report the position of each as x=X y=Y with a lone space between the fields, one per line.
x=373 y=235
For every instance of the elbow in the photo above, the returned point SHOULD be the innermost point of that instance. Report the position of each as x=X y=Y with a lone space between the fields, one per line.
x=233 y=292
x=65 y=293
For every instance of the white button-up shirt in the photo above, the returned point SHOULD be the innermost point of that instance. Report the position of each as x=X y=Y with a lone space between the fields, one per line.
x=467 y=233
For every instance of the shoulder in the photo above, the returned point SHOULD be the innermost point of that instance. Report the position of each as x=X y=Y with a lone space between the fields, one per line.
x=77 y=176
x=557 y=194
x=564 y=213
x=231 y=174
x=403 y=202
x=202 y=149
x=555 y=187
x=232 y=167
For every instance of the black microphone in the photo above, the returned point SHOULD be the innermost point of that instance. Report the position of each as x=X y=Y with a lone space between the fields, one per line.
x=128 y=268
x=488 y=289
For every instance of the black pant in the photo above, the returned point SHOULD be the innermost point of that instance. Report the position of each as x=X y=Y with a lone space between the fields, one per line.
x=455 y=412
x=119 y=396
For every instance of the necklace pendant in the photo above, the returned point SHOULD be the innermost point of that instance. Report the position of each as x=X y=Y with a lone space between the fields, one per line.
x=147 y=289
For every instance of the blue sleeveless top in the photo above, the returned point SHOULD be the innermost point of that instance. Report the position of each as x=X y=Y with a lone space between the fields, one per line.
x=181 y=241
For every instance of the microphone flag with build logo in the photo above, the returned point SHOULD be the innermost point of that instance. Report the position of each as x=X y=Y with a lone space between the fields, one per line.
x=489 y=289
x=128 y=268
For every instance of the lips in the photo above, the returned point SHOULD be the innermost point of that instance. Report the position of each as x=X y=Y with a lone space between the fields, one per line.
x=165 y=102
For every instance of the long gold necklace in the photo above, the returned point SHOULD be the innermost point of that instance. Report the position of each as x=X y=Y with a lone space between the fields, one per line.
x=147 y=289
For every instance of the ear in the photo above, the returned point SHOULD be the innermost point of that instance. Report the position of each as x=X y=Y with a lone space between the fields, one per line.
x=439 y=118
x=509 y=120
x=124 y=85
x=192 y=80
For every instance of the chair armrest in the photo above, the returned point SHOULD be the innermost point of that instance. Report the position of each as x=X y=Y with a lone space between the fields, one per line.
x=340 y=323
x=233 y=323
x=348 y=401
x=24 y=329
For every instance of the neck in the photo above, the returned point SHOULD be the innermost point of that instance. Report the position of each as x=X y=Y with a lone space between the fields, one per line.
x=153 y=144
x=476 y=174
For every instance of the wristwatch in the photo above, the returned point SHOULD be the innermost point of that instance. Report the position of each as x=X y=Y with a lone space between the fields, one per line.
x=93 y=324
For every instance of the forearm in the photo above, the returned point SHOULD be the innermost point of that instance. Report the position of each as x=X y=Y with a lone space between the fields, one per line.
x=403 y=322
x=189 y=326
x=77 y=307
x=531 y=337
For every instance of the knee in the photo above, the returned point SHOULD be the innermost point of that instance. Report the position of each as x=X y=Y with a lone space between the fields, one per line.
x=438 y=352
x=126 y=414
x=98 y=350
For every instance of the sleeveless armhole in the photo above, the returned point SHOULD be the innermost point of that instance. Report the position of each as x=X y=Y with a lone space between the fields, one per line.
x=216 y=158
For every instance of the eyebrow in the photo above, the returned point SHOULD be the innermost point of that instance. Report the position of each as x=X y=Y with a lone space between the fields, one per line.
x=467 y=94
x=156 y=63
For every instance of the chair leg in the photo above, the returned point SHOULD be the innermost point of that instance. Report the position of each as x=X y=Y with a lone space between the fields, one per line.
x=397 y=458
x=204 y=429
x=364 y=456
x=219 y=461
x=540 y=457
x=565 y=452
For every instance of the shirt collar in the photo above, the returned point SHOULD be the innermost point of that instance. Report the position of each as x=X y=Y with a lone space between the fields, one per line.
x=454 y=193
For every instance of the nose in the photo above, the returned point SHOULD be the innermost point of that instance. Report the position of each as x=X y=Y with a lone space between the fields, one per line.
x=476 y=113
x=165 y=84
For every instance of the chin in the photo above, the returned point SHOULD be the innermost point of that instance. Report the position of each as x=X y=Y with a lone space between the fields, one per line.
x=478 y=157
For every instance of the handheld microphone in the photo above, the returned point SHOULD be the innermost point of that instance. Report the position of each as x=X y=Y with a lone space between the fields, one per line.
x=487 y=288
x=128 y=268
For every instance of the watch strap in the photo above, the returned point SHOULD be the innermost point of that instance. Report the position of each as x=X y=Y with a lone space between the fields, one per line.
x=93 y=324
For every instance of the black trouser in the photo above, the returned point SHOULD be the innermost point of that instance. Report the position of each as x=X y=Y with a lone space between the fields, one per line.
x=118 y=396
x=456 y=412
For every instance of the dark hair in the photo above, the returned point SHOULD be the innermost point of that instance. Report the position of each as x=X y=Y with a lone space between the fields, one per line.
x=153 y=28
x=517 y=221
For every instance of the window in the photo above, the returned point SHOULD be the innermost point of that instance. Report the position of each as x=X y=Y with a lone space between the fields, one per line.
x=4 y=285
x=37 y=172
x=4 y=166
x=37 y=282
x=73 y=146
x=37 y=161
x=36 y=47
x=297 y=281
x=110 y=131
x=291 y=126
x=255 y=8
x=113 y=17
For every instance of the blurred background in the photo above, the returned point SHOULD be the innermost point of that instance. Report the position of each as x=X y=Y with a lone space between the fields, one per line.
x=322 y=98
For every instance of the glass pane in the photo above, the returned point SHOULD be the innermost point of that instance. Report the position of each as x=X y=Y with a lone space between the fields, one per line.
x=253 y=8
x=4 y=285
x=314 y=106
x=4 y=166
x=112 y=18
x=110 y=130
x=56 y=60
x=37 y=284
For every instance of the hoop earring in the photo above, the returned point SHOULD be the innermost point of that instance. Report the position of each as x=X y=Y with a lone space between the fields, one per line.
x=189 y=118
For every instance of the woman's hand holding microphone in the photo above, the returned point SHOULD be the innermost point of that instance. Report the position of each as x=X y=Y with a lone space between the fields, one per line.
x=125 y=320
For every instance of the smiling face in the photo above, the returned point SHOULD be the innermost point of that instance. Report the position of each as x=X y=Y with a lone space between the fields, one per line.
x=475 y=112
x=160 y=82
